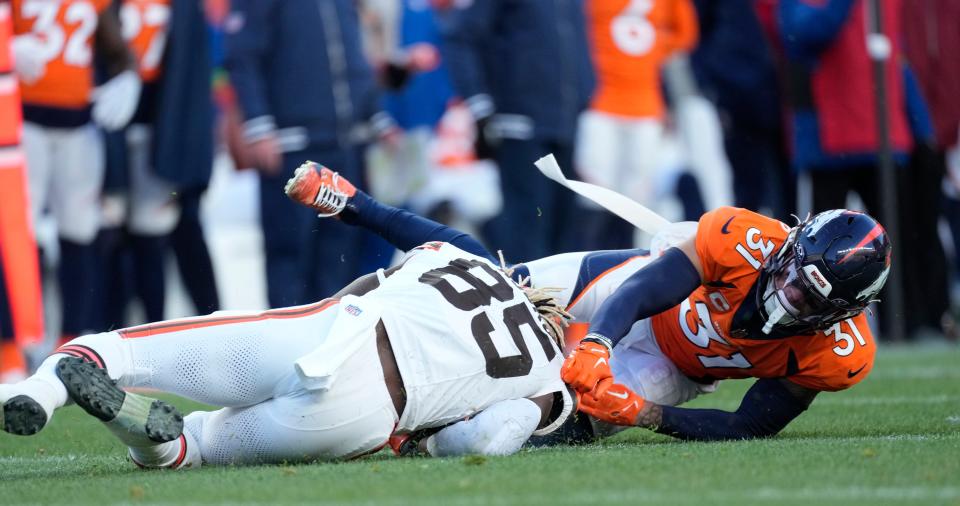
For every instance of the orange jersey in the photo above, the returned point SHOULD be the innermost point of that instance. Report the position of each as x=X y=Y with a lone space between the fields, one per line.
x=66 y=28
x=145 y=24
x=630 y=39
x=732 y=244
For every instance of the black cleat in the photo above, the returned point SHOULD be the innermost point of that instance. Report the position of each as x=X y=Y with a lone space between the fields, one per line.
x=23 y=416
x=136 y=416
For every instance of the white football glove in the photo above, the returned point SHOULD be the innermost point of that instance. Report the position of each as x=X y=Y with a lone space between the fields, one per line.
x=116 y=100
x=29 y=60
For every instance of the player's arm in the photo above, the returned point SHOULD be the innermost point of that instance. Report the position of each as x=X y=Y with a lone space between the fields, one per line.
x=115 y=101
x=406 y=230
x=662 y=284
x=768 y=406
x=251 y=32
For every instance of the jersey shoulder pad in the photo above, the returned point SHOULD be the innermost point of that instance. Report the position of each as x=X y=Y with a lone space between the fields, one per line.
x=837 y=358
x=730 y=240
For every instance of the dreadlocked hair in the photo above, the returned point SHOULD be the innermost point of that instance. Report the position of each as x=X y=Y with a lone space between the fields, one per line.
x=547 y=306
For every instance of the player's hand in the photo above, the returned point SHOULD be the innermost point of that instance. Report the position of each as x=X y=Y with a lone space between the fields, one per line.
x=423 y=57
x=265 y=155
x=28 y=58
x=587 y=366
x=617 y=404
x=115 y=101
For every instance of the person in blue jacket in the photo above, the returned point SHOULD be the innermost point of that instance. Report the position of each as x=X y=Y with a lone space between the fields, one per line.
x=524 y=70
x=834 y=125
x=305 y=91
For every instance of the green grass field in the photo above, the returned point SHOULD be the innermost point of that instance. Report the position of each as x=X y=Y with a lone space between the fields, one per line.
x=893 y=439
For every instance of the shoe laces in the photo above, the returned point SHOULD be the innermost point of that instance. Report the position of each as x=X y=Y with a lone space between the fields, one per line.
x=330 y=198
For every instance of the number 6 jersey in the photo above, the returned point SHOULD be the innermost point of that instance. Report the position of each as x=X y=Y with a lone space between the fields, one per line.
x=710 y=335
x=464 y=337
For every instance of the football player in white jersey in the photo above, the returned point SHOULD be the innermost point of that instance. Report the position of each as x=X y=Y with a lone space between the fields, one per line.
x=443 y=355
x=676 y=334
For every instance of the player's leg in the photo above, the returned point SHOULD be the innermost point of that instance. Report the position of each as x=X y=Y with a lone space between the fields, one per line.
x=37 y=150
x=352 y=417
x=286 y=228
x=598 y=160
x=76 y=181
x=154 y=212
x=225 y=359
x=193 y=255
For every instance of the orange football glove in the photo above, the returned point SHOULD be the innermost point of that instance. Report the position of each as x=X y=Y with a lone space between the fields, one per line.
x=586 y=366
x=617 y=404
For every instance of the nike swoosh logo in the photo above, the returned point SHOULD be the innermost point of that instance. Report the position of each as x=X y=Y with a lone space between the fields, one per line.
x=621 y=395
x=599 y=362
x=851 y=374
x=723 y=230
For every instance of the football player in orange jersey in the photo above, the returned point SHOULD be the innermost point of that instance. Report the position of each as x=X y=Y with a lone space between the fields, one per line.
x=619 y=136
x=746 y=297
x=54 y=49
x=735 y=295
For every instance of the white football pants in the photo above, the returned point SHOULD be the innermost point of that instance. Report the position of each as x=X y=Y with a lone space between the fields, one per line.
x=244 y=361
x=620 y=153
x=153 y=206
x=65 y=169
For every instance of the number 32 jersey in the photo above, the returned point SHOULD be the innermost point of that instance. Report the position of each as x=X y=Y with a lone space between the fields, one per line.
x=65 y=29
x=465 y=337
x=703 y=335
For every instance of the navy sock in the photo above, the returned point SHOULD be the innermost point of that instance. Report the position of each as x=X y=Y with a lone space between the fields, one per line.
x=78 y=287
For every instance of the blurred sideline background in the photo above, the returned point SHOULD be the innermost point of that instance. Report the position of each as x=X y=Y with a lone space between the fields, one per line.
x=144 y=143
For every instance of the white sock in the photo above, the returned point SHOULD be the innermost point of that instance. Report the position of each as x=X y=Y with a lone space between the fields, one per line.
x=44 y=386
x=181 y=453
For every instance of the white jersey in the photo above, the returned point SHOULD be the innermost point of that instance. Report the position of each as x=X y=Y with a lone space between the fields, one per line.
x=464 y=337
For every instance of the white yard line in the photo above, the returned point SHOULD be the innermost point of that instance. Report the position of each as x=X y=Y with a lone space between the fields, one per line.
x=828 y=400
x=915 y=372
x=642 y=495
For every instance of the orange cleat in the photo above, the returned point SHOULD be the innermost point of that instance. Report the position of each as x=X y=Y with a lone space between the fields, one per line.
x=316 y=186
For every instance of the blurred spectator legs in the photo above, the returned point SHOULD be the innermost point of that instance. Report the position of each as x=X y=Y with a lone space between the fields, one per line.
x=192 y=254
x=307 y=259
x=620 y=153
x=65 y=173
x=539 y=217
x=920 y=250
x=927 y=297
x=762 y=178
